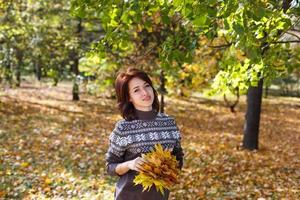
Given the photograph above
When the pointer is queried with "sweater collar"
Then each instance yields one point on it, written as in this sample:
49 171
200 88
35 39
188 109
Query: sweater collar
145 115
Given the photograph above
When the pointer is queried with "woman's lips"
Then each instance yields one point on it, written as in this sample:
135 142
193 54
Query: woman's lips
147 98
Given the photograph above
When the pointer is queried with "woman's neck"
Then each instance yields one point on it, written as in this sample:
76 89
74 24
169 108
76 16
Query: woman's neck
145 115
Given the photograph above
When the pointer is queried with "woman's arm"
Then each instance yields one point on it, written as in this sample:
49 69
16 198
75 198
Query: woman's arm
116 151
123 168
115 164
178 153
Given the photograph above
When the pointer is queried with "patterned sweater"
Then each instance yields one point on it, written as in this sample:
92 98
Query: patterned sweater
130 139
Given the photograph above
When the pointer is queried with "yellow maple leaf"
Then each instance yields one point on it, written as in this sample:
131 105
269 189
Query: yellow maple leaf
160 170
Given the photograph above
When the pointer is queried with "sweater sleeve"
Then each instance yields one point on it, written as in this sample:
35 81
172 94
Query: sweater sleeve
115 152
178 153
177 150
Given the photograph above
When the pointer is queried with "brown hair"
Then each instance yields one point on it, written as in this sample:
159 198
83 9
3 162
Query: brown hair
122 91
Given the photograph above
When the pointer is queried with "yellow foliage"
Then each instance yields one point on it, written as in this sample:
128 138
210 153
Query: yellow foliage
160 170
24 164
215 164
48 181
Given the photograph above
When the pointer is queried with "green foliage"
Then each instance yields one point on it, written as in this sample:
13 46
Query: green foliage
43 36
92 65
14 37
249 27
152 35
148 35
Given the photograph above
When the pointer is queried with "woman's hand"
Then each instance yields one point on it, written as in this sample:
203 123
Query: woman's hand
135 164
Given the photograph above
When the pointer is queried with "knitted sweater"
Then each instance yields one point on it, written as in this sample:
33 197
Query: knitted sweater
130 139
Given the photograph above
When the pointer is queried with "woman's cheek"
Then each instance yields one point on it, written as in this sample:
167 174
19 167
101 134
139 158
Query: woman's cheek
151 91
137 97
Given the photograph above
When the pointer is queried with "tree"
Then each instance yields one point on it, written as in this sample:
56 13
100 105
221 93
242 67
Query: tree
42 37
14 39
250 28
138 38
254 99
246 26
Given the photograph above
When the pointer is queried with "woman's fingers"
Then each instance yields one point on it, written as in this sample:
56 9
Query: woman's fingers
138 163
139 160
138 168
143 160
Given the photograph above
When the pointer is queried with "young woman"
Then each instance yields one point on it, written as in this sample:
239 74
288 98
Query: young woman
143 126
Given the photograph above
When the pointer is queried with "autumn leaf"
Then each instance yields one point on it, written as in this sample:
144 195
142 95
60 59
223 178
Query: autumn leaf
55 136
160 170
24 164
48 181
2 193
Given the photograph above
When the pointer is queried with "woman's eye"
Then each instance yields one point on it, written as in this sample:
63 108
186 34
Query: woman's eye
147 85
135 90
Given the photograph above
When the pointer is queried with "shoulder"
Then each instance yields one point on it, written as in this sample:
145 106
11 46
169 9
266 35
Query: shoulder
116 134
123 127
119 126
165 116
120 122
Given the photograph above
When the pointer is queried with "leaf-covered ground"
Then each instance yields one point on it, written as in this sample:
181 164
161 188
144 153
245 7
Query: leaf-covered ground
53 148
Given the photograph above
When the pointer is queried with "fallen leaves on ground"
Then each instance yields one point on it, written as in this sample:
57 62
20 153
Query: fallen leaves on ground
52 147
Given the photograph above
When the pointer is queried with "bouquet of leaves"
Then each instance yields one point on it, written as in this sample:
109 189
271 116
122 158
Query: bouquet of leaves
159 169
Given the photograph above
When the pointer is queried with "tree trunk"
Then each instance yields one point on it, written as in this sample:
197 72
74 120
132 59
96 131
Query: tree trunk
38 69
298 88
19 56
251 129
8 76
162 91
75 68
75 90
162 104
18 76
254 99
266 91
286 4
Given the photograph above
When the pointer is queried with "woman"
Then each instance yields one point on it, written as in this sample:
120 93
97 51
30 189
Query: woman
142 127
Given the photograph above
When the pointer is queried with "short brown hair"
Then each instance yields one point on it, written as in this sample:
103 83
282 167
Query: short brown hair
122 91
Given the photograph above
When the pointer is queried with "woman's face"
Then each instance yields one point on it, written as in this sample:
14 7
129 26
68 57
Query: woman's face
141 94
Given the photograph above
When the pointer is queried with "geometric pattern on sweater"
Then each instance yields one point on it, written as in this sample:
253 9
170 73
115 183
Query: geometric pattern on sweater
140 136
143 148
131 138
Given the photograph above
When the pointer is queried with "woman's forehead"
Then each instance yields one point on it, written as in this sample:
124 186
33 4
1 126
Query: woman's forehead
135 82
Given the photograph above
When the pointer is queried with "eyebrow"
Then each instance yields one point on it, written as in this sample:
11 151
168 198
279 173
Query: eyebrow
138 85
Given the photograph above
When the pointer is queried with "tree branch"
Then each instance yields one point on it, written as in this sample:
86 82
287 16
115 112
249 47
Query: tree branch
293 34
220 46
295 30
290 41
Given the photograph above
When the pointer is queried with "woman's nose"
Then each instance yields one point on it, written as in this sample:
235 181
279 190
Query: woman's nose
144 92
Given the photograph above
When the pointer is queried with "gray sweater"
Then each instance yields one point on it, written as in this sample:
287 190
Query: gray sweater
130 139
